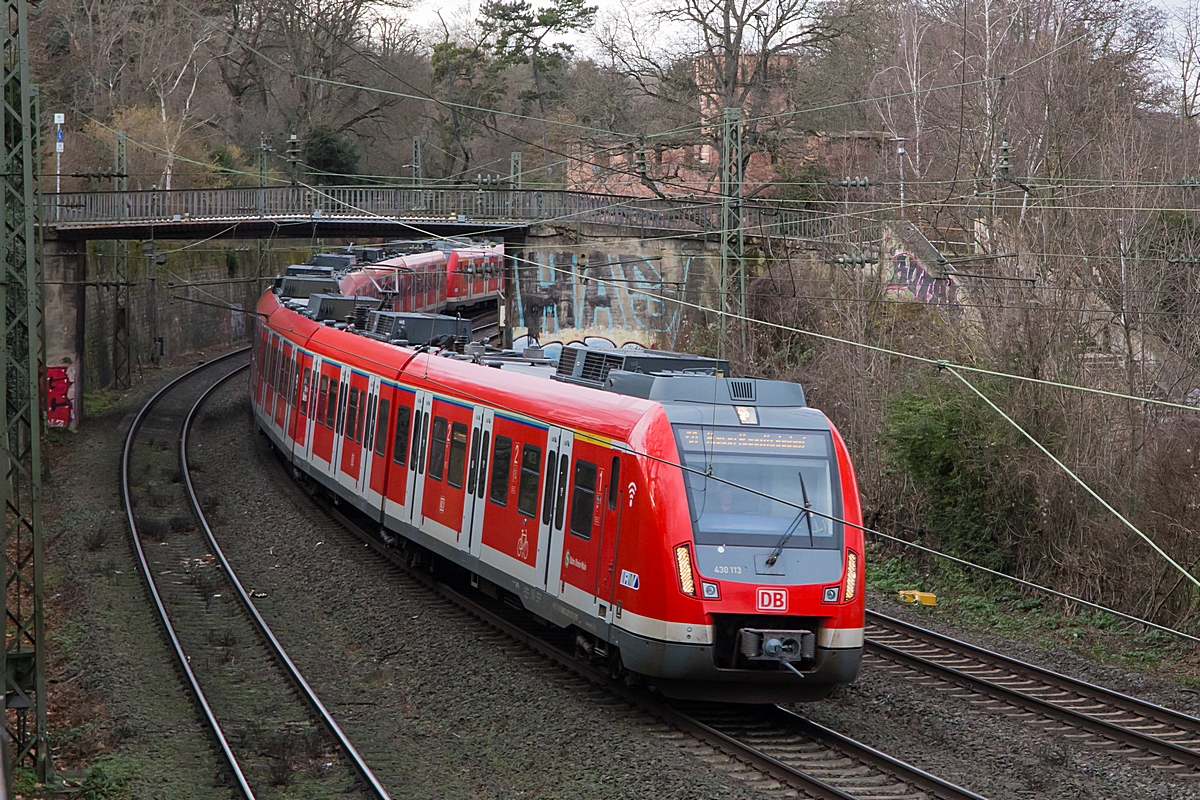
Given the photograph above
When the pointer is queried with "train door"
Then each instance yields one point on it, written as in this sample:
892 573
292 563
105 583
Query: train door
417 457
266 407
549 485
357 401
610 533
362 486
279 413
379 448
339 397
552 574
311 408
398 471
327 395
298 427
260 361
446 470
583 534
481 442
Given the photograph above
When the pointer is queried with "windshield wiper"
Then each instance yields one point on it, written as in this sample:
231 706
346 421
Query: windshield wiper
805 514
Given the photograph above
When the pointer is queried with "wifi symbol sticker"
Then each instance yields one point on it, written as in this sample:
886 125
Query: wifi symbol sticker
632 492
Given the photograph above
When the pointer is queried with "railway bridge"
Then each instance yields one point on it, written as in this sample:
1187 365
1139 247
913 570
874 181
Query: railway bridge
126 304
388 211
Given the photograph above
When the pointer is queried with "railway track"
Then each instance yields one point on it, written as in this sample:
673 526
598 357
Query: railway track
1091 715
805 756
270 729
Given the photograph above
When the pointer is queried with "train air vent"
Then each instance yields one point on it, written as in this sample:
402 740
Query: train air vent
596 366
590 366
566 361
741 390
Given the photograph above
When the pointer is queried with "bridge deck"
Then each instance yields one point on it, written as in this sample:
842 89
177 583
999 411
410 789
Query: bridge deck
391 211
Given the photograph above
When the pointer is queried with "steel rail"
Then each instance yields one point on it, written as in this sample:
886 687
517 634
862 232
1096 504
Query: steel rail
756 757
910 774
1096 725
126 495
293 673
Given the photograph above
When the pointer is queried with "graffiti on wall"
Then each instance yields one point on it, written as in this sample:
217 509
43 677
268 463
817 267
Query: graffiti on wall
60 402
908 275
597 289
236 321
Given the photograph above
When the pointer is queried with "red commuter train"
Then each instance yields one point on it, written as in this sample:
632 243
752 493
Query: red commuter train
455 276
627 495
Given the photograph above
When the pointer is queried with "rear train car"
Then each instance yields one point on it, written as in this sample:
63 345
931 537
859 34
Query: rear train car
473 276
636 498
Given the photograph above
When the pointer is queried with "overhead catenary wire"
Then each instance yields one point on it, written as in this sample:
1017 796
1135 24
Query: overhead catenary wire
1071 473
829 337
775 325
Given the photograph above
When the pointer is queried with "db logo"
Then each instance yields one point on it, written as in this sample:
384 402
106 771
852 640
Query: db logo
772 599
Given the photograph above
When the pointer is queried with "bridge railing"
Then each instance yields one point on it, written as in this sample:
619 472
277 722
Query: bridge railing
415 203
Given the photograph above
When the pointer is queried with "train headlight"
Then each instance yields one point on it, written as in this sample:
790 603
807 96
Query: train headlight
851 575
683 560
710 590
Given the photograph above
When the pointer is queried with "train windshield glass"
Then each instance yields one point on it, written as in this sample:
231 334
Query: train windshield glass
752 471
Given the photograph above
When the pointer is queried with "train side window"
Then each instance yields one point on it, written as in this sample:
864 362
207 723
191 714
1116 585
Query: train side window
365 420
424 440
548 489
368 428
352 413
416 439
341 408
304 393
473 468
483 462
614 483
583 498
437 449
501 466
560 496
400 445
322 399
381 423
531 473
458 455
331 403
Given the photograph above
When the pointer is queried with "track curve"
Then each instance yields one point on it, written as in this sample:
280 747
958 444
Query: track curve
254 707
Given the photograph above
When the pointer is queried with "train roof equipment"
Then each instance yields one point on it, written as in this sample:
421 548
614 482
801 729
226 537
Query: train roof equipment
339 261
589 366
295 287
414 329
668 377
337 307
308 271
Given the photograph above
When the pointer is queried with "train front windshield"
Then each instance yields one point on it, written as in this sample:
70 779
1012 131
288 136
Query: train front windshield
752 470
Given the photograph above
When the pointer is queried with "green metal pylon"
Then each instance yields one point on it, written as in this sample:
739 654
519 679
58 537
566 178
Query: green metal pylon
732 297
20 381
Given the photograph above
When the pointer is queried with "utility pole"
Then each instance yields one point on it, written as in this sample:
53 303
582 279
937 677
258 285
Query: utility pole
154 257
23 669
418 172
121 347
733 262
59 120
515 174
293 159
264 147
